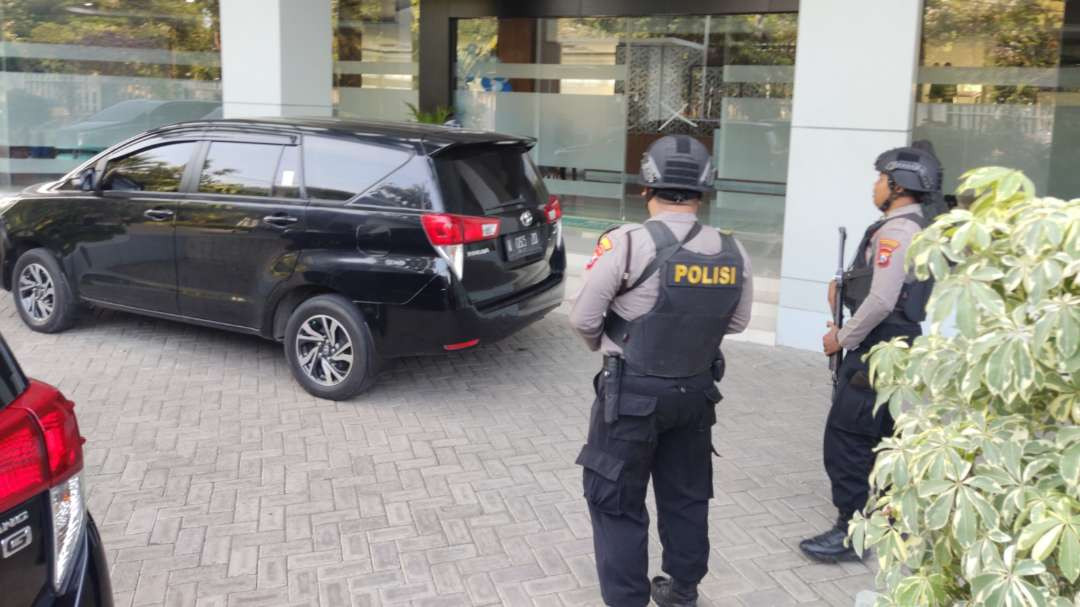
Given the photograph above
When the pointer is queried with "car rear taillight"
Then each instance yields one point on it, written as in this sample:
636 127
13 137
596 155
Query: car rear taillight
68 516
444 229
553 214
41 449
450 233
553 209
22 470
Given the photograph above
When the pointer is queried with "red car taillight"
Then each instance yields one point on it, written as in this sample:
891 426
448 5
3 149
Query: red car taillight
553 209
553 215
450 233
62 440
41 450
22 460
40 444
444 229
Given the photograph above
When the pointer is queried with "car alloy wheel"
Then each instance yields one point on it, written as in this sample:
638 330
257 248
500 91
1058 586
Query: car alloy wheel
37 294
324 350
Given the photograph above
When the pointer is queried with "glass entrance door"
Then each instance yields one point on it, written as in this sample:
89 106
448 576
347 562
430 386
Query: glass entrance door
595 92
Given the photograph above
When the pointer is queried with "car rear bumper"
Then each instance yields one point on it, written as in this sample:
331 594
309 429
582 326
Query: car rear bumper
431 321
89 585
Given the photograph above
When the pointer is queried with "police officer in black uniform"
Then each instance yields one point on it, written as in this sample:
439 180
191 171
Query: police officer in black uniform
885 302
657 301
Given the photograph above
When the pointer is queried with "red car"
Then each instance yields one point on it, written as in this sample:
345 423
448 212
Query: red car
50 549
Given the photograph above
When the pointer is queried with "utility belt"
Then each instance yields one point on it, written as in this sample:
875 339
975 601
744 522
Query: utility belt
616 376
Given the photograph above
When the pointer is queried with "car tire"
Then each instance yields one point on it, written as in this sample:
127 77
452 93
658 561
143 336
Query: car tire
320 358
43 296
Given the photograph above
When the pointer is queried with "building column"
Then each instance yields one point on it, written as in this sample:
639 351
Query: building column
855 71
276 58
437 54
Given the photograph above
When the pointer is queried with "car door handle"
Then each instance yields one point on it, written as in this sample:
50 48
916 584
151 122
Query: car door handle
159 214
280 220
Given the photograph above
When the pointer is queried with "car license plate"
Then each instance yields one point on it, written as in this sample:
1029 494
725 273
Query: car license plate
523 244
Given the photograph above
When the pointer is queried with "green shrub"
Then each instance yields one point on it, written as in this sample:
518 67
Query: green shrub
977 491
438 116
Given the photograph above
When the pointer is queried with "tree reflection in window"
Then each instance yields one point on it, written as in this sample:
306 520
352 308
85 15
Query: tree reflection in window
242 169
963 34
158 169
407 187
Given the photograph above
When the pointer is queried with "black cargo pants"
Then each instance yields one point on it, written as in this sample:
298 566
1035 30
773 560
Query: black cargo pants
663 429
852 431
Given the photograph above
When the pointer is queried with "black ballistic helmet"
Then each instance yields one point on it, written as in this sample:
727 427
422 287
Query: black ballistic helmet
913 168
677 162
934 203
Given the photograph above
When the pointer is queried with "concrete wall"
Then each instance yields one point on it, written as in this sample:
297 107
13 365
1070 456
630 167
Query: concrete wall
854 98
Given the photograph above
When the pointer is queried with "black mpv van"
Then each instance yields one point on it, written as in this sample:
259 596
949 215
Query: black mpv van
347 241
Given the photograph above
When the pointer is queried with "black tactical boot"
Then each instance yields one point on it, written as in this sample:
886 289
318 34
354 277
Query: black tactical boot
829 546
669 592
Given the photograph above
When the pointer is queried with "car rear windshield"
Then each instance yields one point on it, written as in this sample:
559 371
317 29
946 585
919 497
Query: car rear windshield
12 380
478 181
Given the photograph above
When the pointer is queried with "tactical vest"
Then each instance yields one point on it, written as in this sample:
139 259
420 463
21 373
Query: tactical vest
911 305
681 335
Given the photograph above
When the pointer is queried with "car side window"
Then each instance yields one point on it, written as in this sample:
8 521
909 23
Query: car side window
407 187
158 169
337 169
242 169
287 180
12 380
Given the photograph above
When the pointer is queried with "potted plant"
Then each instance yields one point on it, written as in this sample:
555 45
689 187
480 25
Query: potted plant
437 116
977 491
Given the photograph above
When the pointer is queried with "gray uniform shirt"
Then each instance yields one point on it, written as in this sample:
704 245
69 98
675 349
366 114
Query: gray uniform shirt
605 276
886 254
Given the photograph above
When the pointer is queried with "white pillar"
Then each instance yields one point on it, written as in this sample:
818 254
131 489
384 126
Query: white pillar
854 98
276 58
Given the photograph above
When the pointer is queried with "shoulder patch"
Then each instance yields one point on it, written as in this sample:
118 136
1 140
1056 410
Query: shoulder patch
604 245
886 246
607 239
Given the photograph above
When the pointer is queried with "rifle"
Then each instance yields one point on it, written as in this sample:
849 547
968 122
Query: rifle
838 311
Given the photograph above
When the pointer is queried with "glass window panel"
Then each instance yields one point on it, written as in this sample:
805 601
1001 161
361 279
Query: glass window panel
242 169
336 169
996 87
12 381
376 50
596 92
408 187
480 182
555 80
158 169
79 77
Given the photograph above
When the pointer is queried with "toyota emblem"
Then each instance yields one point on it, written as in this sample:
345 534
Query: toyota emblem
526 218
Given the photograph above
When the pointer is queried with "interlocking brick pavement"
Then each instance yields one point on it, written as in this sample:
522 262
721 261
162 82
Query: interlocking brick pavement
216 481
